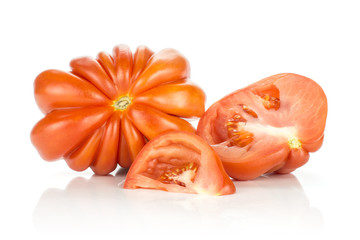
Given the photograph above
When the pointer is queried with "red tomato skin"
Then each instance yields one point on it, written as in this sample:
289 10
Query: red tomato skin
55 89
132 136
92 113
81 158
49 137
211 177
307 116
106 159
175 99
151 122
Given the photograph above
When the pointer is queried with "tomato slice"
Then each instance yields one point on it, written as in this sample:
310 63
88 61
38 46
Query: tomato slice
179 161
269 126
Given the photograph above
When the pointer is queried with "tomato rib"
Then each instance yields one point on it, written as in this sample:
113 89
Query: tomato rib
164 67
91 70
124 158
313 146
56 89
133 137
83 156
141 58
175 99
107 63
152 122
296 158
123 68
106 158
62 130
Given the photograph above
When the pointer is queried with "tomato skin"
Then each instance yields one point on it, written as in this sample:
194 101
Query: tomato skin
106 159
285 122
102 112
141 56
81 158
132 136
179 147
151 122
56 89
123 68
175 99
91 70
48 134
166 66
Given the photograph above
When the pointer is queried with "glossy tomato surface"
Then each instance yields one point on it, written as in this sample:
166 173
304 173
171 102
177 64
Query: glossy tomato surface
179 161
102 112
269 126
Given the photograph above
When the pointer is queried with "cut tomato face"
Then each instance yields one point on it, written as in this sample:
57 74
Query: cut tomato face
269 126
102 113
179 161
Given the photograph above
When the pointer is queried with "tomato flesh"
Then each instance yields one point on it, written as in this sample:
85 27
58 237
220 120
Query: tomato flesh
179 161
269 126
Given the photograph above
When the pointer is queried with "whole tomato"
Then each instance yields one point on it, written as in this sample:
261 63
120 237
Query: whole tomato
104 111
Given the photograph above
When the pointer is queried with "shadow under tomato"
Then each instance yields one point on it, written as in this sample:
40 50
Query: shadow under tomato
275 204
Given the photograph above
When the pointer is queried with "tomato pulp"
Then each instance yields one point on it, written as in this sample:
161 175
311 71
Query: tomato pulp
179 161
269 126
102 112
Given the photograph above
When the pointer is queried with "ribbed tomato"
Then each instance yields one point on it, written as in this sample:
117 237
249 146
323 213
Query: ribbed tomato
269 126
179 161
104 110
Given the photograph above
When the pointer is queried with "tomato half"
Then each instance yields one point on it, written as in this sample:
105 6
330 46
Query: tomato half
269 126
179 162
102 112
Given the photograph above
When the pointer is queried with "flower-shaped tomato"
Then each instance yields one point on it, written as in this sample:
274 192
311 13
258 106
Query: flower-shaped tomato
269 126
102 112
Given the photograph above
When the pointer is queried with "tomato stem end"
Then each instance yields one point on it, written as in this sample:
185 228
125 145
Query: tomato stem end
294 142
122 103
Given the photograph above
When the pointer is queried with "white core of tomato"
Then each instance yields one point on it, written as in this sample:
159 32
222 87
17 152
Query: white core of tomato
289 134
185 177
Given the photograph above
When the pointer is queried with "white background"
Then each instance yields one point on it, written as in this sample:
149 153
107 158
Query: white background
229 44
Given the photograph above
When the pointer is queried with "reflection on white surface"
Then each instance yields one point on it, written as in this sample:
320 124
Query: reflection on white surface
99 205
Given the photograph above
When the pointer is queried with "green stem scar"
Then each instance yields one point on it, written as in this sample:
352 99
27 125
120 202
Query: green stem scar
294 142
122 103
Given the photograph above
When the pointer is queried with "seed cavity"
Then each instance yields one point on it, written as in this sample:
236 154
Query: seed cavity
269 95
182 176
236 132
249 111
270 102
122 103
235 119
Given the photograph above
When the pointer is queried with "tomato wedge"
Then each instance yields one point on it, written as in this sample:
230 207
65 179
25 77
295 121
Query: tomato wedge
102 113
179 161
269 126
